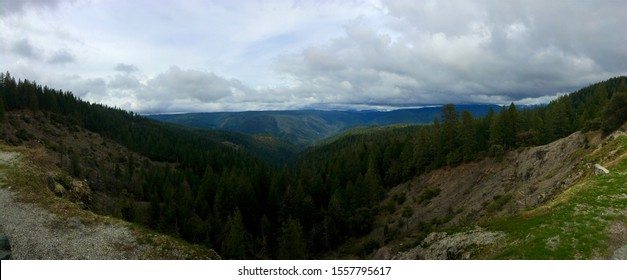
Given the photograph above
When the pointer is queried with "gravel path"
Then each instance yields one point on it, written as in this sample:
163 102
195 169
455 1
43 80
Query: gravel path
35 233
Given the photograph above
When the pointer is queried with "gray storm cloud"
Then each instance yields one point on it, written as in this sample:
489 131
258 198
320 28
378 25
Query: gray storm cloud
24 48
278 55
18 6
461 51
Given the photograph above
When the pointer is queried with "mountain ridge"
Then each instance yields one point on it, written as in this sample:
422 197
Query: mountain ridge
304 127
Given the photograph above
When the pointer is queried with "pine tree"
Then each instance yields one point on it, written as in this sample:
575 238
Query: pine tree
511 124
292 244
615 114
497 130
450 134
468 136
372 184
235 241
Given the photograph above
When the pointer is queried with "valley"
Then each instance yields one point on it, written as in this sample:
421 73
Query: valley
305 127
512 183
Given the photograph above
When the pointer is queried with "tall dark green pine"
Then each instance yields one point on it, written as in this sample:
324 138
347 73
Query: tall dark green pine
483 130
510 126
497 130
372 187
615 114
292 244
450 134
436 145
468 136
235 241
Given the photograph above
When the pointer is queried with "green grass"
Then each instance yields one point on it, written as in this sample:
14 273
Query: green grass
576 224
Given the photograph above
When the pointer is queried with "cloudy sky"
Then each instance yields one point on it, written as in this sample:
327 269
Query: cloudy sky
161 56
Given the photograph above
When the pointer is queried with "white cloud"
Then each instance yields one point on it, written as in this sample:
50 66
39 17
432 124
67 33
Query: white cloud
252 55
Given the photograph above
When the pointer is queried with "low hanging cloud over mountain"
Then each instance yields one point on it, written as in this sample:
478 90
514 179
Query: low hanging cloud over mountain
212 56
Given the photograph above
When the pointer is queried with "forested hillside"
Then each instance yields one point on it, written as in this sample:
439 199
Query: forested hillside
304 127
224 194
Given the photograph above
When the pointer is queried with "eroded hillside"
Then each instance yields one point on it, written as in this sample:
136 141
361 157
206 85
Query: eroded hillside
434 215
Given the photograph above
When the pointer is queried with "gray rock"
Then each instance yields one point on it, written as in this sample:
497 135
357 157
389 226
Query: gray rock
440 246
600 170
620 253
432 237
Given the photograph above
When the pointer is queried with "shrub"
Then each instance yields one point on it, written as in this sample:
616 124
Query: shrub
23 135
429 194
498 203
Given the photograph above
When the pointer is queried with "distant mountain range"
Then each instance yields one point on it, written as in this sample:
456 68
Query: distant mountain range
303 127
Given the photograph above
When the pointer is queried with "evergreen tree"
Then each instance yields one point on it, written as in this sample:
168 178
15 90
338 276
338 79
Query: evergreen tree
235 241
498 130
615 114
468 136
450 134
292 244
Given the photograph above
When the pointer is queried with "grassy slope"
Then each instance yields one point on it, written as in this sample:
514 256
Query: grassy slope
587 221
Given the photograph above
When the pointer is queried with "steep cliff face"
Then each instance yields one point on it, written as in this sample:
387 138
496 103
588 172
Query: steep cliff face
481 192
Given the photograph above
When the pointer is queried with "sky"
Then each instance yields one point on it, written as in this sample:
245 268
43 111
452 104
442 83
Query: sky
162 56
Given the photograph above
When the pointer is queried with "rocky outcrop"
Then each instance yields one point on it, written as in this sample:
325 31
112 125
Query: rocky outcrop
458 246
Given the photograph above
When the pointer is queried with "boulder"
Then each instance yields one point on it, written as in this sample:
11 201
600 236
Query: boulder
600 170
384 253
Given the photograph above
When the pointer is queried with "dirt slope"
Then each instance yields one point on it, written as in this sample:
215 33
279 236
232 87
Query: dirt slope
40 225
468 192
